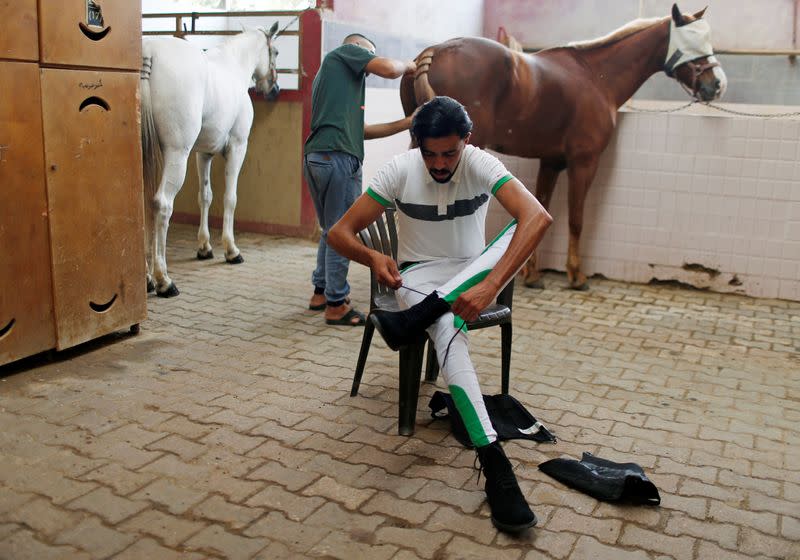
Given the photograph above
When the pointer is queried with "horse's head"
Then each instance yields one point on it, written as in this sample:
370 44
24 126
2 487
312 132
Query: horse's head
266 72
690 57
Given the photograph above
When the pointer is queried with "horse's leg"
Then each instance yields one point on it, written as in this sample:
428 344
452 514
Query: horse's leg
204 197
171 183
581 173
148 247
234 157
545 184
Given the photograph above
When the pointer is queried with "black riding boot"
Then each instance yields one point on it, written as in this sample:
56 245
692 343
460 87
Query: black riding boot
510 511
401 328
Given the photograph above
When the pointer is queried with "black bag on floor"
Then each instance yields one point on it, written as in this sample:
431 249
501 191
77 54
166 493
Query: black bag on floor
604 479
509 418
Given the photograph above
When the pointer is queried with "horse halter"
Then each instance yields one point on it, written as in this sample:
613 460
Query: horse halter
272 74
687 44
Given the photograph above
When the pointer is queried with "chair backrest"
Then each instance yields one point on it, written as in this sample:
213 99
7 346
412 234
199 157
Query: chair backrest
506 295
381 236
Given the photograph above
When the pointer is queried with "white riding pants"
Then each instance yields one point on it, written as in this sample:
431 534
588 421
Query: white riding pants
450 278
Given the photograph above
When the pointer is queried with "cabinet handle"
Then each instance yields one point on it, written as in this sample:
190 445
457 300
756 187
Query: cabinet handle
7 329
93 35
94 100
102 307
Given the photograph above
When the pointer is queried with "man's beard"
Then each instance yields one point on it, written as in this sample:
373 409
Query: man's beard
445 179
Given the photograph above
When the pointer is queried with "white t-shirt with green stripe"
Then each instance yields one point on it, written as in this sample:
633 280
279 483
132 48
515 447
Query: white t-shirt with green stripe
439 220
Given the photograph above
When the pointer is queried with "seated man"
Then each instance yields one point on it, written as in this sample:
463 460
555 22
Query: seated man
447 275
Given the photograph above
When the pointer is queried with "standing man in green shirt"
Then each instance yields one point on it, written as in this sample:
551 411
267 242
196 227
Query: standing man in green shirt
332 158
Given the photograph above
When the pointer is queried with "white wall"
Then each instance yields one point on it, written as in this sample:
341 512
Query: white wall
382 105
735 24
421 19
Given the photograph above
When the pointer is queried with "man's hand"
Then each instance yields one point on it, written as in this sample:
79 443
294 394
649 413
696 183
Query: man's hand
411 67
385 269
470 304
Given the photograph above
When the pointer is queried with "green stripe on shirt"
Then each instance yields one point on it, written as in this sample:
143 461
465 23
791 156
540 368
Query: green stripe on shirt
500 183
378 198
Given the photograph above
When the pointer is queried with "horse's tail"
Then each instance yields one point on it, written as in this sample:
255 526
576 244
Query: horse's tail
416 90
152 157
422 87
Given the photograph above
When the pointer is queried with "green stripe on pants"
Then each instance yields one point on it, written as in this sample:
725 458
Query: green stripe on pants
469 416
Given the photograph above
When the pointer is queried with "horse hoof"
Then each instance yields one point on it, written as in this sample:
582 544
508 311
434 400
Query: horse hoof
201 256
580 287
537 284
151 286
238 259
171 291
135 329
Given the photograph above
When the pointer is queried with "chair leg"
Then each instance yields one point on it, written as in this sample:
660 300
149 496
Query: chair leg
366 340
505 340
431 364
410 370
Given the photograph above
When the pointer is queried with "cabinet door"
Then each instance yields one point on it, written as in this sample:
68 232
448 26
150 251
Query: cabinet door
26 301
19 39
95 33
93 163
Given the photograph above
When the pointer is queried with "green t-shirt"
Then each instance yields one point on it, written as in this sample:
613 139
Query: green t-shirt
337 101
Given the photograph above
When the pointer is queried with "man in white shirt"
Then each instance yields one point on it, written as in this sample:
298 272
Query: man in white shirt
447 275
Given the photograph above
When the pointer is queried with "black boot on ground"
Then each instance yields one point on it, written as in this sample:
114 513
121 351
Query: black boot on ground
401 328
510 511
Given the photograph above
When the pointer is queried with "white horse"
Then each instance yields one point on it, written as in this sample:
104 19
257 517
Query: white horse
197 99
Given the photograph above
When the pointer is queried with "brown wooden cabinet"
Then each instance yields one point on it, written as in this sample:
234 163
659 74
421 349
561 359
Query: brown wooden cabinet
26 301
71 215
19 38
98 34
93 163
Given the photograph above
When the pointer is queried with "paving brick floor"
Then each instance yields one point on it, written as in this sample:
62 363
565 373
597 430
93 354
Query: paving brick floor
225 429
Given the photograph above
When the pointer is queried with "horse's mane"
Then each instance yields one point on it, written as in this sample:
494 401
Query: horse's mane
628 29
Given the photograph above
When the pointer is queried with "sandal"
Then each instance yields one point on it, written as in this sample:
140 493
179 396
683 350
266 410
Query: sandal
347 319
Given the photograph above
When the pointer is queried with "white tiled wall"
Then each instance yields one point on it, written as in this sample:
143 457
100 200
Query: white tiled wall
675 191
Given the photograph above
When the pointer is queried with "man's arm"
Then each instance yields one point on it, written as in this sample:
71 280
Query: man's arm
373 131
343 238
389 67
532 223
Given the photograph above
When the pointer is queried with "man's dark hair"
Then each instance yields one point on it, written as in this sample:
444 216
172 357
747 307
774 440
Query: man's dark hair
354 35
439 117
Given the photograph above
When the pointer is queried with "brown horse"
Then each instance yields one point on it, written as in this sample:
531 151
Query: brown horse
560 105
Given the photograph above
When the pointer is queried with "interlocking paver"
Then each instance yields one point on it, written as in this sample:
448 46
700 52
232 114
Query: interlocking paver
604 530
754 543
341 545
460 547
95 538
411 513
148 548
217 540
330 489
44 518
294 507
174 497
291 479
228 421
588 548
726 535
109 507
22 545
332 515
425 544
234 516
167 528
